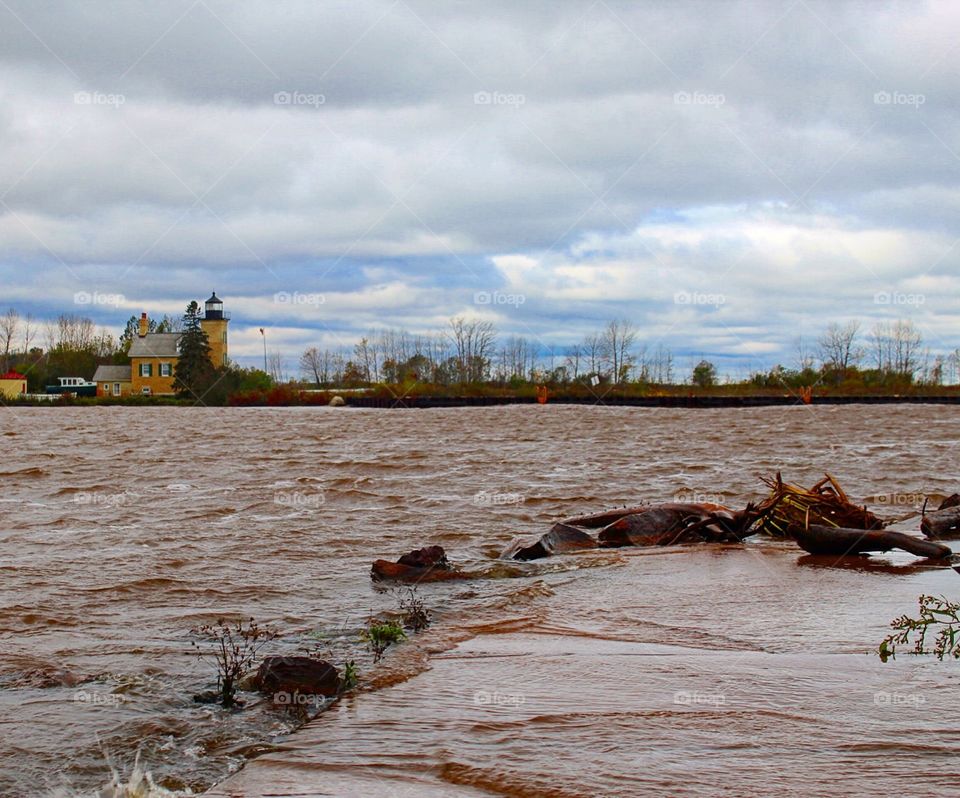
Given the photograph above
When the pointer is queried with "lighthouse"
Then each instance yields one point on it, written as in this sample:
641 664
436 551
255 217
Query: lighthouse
214 324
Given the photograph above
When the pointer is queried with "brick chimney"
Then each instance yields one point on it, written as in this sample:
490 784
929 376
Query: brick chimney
143 325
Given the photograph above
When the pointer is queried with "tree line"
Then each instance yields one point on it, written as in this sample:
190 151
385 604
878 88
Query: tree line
469 351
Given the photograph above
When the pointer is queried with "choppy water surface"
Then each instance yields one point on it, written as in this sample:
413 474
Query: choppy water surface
686 671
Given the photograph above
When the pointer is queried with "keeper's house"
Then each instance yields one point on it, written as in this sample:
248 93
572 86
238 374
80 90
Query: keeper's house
153 357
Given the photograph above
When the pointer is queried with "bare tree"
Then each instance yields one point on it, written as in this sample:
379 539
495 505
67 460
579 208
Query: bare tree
616 341
311 365
275 366
896 347
593 349
574 355
473 342
29 332
804 357
837 347
9 323
661 366
365 354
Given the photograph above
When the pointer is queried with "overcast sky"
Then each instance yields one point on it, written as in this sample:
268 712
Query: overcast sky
728 176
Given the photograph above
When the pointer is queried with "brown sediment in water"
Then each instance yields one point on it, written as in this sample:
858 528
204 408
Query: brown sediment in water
110 558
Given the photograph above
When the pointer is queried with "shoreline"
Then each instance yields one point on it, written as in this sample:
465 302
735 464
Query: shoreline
403 402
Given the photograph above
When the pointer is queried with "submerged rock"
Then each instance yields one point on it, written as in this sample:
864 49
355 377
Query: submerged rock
297 675
942 522
656 526
951 501
428 564
427 557
561 539
679 522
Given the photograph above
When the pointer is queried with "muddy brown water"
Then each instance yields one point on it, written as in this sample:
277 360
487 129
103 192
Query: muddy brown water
691 671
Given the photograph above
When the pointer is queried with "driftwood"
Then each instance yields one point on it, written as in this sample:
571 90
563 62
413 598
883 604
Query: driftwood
825 503
820 539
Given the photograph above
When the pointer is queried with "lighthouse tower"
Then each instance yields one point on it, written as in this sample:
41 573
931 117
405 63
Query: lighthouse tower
214 324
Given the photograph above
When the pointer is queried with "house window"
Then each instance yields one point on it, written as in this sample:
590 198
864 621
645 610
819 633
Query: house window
116 389
146 369
145 391
164 369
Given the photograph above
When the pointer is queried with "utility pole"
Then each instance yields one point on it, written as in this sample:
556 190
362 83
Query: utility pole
264 334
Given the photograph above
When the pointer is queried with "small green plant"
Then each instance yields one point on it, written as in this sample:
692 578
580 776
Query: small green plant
233 649
349 678
416 616
936 614
380 635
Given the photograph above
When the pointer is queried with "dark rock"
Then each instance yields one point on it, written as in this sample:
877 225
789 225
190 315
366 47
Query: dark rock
384 569
597 520
297 675
944 522
950 501
427 557
662 525
561 539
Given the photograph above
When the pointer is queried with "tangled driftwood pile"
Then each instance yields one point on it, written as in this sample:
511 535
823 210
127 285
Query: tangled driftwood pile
821 519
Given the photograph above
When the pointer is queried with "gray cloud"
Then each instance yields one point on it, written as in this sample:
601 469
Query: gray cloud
797 158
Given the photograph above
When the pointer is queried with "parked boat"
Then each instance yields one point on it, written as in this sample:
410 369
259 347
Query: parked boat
77 386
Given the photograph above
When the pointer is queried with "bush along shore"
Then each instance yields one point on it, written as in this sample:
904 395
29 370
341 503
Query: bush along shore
425 396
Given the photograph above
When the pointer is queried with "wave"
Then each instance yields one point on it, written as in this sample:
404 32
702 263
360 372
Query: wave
34 471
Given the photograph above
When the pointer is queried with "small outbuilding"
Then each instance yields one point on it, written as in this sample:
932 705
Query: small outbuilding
12 385
113 381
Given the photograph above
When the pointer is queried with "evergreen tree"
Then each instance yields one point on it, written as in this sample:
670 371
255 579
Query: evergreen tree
704 374
194 373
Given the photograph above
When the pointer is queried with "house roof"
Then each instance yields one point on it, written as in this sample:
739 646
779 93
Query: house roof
112 374
155 345
12 375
